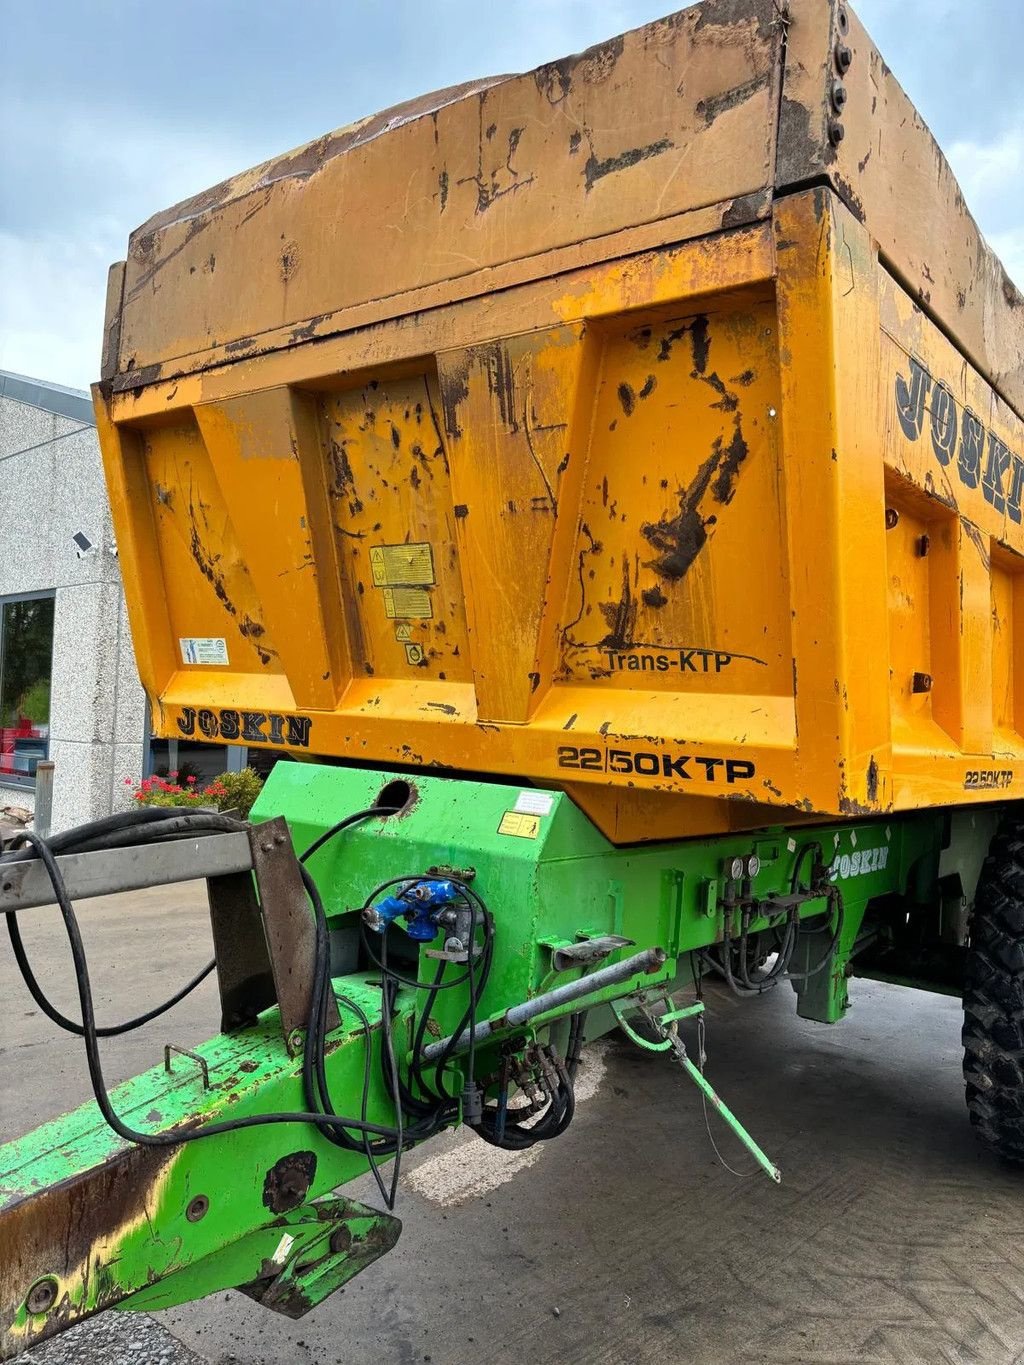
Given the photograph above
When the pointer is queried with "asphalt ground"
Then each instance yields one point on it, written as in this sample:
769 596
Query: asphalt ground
893 1238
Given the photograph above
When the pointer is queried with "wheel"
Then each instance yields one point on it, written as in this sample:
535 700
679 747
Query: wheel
993 1033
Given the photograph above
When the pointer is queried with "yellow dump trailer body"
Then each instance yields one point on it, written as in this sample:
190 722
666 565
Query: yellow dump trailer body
648 425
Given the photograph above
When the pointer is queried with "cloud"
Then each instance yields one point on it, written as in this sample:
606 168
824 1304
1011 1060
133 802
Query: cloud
990 172
51 306
1009 247
85 162
80 192
991 175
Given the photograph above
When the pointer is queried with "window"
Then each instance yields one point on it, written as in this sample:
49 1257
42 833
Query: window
26 660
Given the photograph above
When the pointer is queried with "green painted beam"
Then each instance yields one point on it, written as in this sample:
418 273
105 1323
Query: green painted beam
110 1223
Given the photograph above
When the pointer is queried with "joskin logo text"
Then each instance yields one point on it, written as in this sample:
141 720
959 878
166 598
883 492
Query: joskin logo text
960 441
251 727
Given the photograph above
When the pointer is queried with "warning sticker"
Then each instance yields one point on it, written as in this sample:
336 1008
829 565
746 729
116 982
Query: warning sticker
203 649
522 826
534 803
402 565
411 602
403 634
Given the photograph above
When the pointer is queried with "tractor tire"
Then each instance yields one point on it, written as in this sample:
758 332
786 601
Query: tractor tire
993 1031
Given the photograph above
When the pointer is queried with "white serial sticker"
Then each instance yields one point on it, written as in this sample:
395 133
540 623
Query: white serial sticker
203 649
534 803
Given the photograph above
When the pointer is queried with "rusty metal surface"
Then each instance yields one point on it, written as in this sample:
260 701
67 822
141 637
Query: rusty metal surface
461 183
289 927
892 174
717 105
57 1231
605 513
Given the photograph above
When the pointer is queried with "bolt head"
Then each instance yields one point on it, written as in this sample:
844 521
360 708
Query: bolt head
838 96
198 1208
836 132
843 57
42 1296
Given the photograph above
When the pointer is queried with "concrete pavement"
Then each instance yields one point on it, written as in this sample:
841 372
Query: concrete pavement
893 1237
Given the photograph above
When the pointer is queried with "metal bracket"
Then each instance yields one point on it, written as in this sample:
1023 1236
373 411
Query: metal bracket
587 952
184 1052
289 927
265 938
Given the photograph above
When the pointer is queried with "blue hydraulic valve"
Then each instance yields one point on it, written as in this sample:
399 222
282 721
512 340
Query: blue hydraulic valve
419 903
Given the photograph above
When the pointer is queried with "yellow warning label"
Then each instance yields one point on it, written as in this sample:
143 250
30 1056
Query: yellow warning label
403 634
523 826
414 654
402 565
411 602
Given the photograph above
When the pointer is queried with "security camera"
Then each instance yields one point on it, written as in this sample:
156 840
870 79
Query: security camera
83 545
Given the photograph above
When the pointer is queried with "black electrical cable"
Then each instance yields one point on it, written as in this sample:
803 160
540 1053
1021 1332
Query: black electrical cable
426 1120
437 1108
748 984
809 847
314 1068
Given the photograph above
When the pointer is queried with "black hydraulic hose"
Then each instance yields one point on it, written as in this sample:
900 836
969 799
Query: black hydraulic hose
171 1138
342 825
144 825
835 897
69 1025
152 824
141 826
178 827
109 824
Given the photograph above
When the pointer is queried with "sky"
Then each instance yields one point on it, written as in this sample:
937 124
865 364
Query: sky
111 110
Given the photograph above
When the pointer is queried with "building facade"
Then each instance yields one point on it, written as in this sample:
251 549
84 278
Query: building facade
69 688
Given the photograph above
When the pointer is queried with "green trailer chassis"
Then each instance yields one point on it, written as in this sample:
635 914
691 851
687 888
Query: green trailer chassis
89 1221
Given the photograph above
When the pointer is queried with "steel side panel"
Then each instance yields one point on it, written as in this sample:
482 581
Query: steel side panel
623 531
456 184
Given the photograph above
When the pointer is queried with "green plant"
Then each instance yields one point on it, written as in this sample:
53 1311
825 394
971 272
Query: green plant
229 791
240 790
34 702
